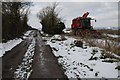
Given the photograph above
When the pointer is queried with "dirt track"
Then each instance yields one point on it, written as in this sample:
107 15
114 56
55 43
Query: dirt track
44 64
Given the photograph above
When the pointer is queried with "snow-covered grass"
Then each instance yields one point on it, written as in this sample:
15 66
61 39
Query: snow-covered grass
76 60
9 45
25 68
102 42
109 45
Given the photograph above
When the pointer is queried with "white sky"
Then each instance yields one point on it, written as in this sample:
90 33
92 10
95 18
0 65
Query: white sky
106 13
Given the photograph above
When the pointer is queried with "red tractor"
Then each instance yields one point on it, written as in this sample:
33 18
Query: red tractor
82 26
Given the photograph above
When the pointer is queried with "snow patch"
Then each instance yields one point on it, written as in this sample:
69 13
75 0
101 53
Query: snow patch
67 31
114 36
27 33
4 47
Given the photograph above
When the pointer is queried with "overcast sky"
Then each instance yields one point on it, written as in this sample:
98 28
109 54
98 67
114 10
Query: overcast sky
106 13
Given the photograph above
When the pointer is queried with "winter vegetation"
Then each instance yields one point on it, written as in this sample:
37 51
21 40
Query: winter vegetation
14 19
50 20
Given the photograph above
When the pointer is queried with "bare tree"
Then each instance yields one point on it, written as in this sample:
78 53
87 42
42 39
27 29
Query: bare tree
49 17
14 19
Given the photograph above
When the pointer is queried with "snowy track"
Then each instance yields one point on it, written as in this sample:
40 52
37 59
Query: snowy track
14 57
25 68
32 58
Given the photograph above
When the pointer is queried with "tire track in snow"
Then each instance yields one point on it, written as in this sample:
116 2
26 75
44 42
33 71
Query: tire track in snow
25 68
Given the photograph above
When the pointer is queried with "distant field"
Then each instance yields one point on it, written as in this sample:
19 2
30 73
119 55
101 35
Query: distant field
115 32
108 40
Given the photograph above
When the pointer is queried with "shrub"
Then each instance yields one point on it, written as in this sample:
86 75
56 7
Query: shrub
50 20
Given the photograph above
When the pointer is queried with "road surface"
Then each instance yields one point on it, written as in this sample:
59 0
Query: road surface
31 59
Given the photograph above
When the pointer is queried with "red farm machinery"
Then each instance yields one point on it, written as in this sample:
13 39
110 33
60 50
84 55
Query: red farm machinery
82 26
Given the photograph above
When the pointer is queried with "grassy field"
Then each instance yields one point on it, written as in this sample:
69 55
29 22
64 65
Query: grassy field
109 44
115 32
